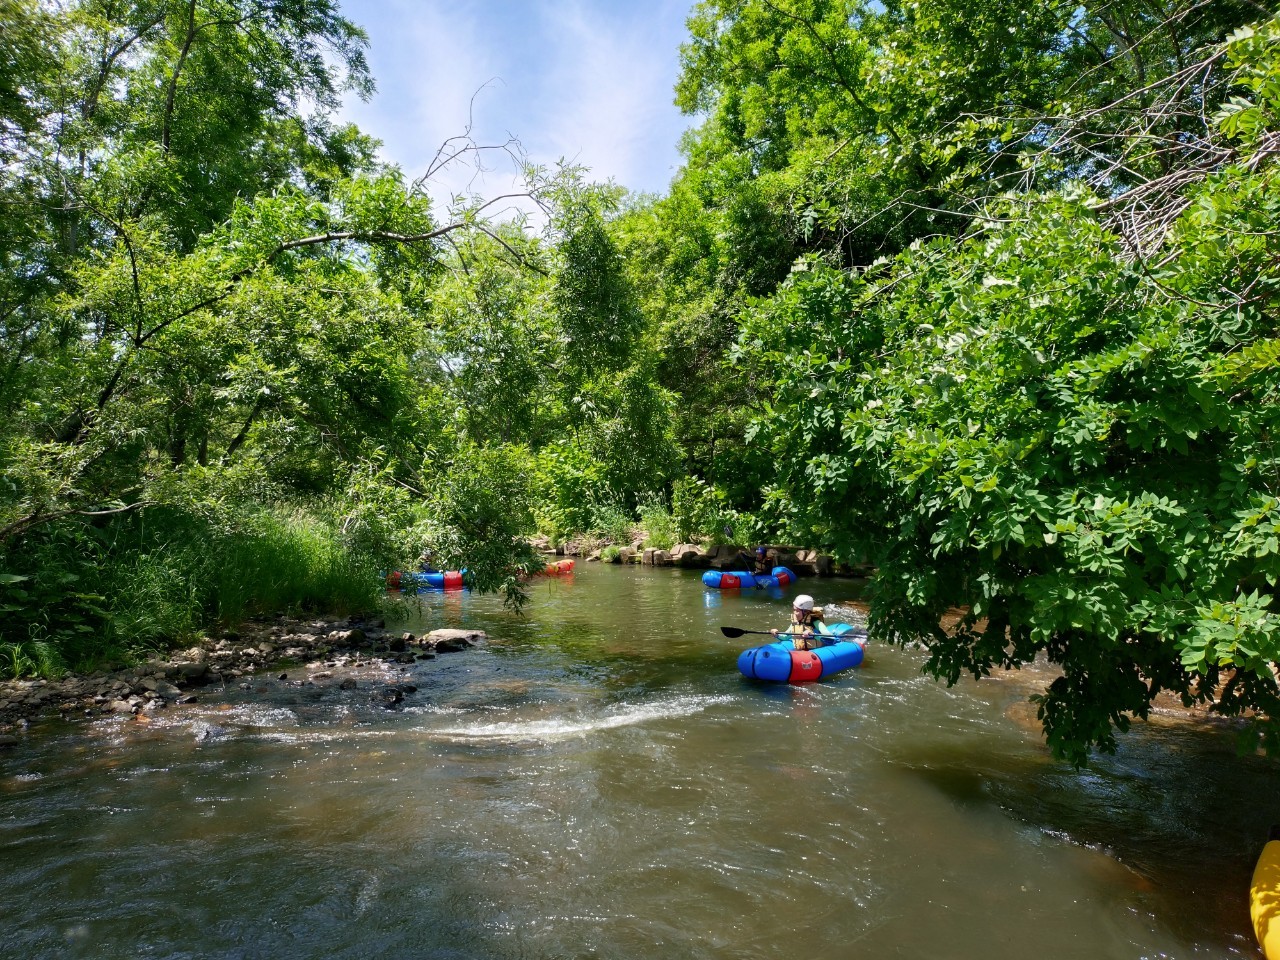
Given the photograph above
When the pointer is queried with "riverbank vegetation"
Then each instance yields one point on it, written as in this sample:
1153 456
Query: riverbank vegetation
985 296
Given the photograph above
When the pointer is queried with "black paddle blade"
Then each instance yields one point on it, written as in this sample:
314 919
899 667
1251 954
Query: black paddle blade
738 632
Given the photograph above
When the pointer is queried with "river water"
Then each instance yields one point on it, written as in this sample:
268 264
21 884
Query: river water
598 781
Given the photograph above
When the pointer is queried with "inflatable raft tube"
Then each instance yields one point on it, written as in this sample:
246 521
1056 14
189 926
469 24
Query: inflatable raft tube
436 579
781 662
735 579
1264 897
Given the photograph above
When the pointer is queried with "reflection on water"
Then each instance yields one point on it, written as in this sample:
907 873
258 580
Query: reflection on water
599 780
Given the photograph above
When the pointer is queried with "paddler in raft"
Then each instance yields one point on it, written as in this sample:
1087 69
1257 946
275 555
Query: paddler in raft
806 628
757 563
760 565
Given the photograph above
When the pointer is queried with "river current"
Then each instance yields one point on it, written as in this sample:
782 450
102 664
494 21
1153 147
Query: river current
597 780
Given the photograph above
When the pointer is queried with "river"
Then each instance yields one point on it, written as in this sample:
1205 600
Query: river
598 781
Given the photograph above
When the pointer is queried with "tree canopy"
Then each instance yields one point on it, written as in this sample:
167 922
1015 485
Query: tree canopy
1022 361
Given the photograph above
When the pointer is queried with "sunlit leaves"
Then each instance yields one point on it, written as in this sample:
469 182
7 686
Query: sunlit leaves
1032 428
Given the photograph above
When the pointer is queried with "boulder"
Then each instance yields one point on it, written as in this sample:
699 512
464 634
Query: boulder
726 556
453 641
205 732
195 674
796 563
689 555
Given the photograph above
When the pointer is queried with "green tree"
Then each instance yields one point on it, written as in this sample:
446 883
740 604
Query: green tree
1067 442
223 322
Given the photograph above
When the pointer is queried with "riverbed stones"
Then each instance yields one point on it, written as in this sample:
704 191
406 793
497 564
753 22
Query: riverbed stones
157 684
725 556
236 658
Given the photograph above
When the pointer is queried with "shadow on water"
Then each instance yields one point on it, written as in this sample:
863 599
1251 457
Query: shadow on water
1177 807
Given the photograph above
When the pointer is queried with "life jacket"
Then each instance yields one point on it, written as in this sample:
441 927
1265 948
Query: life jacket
814 625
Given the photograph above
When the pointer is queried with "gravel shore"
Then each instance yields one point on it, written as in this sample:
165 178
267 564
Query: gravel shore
235 658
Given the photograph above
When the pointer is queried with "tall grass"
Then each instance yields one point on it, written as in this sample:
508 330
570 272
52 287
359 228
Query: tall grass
89 596
291 563
37 658
277 562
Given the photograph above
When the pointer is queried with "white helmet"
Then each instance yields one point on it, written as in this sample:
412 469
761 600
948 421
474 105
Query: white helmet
803 602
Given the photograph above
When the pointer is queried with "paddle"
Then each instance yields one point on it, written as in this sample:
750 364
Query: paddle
735 632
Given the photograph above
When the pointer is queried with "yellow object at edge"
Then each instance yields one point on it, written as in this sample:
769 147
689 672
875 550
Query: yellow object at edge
1264 900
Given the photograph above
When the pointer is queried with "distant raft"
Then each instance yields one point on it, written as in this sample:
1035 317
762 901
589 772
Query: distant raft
434 579
781 662
735 579
1264 898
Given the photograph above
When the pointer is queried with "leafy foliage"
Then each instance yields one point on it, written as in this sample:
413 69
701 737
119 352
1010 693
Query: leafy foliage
224 323
480 516
1026 426
659 526
1024 358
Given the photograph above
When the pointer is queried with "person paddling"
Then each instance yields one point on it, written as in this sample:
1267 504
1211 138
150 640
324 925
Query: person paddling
806 628
760 566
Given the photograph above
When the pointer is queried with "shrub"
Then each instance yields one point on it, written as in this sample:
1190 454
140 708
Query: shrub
612 521
657 521
697 510
565 479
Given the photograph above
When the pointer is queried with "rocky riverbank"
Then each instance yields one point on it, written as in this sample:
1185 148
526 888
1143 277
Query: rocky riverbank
723 556
301 651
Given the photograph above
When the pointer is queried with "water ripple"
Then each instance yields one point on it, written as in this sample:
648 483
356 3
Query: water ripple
567 727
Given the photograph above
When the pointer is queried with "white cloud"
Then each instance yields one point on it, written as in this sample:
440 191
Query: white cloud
588 81
611 87
430 60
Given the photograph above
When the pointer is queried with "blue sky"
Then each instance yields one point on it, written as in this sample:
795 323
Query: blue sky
584 80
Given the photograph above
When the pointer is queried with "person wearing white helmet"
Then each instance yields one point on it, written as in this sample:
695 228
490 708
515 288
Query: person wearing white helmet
806 628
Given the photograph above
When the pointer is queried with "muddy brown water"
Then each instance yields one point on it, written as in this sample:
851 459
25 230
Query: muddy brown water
598 780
